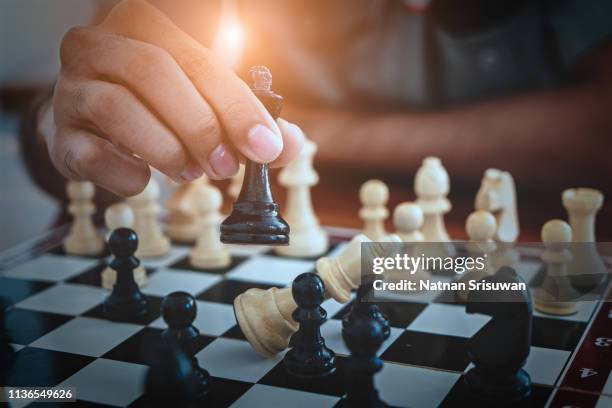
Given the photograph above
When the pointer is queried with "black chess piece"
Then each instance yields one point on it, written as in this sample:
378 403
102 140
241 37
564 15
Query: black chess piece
363 338
499 349
171 381
309 356
179 310
255 218
126 302
363 309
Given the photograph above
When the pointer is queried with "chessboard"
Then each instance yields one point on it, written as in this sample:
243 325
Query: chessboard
63 339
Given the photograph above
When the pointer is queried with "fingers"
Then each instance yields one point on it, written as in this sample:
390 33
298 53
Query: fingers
242 116
293 141
118 116
80 155
152 74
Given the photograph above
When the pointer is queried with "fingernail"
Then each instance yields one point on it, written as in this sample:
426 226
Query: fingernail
223 162
264 143
192 172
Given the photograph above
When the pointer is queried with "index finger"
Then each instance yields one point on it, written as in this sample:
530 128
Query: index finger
244 118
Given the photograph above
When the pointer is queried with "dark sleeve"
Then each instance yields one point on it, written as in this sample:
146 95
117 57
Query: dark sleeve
580 26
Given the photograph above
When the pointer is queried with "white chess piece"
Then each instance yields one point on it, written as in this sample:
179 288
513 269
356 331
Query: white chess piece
582 204
233 190
209 252
480 228
265 316
83 238
374 195
408 221
497 195
307 238
556 295
120 215
432 185
151 240
183 214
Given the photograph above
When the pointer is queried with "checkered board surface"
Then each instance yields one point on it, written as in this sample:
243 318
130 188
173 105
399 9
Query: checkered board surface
62 338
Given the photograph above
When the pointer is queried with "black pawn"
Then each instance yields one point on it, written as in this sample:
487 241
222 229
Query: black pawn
126 302
363 309
255 218
500 348
363 338
309 356
171 381
179 310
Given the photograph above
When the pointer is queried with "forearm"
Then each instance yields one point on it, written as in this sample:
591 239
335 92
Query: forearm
539 137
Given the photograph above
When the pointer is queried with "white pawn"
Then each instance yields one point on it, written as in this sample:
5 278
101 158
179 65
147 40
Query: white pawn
480 228
151 240
374 195
83 238
182 211
307 238
120 215
408 221
432 185
209 252
556 295
233 190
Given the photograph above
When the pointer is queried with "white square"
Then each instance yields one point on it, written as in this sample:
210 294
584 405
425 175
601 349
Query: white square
17 347
545 365
166 281
50 268
450 320
236 360
604 401
408 386
265 396
175 253
332 306
65 298
271 270
108 382
212 319
87 336
332 333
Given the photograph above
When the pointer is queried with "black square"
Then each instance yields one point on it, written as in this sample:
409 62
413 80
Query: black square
428 350
153 313
35 367
460 397
16 290
78 403
273 253
223 393
556 333
226 290
399 314
25 326
332 384
235 333
185 264
93 276
142 346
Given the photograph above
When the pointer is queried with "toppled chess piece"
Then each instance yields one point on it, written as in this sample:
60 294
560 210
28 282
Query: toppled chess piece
126 302
309 356
179 310
363 338
500 348
255 218
83 238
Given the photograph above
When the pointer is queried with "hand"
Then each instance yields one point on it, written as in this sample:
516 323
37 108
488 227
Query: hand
136 91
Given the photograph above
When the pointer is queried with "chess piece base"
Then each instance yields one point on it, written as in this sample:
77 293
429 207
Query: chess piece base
121 308
253 222
495 389
319 365
109 277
